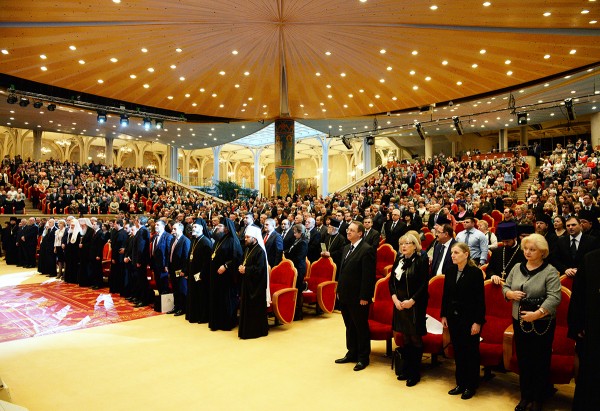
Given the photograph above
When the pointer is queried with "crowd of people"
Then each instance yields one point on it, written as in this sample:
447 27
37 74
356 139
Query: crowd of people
215 258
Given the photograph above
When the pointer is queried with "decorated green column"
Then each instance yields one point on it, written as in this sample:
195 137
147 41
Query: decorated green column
285 151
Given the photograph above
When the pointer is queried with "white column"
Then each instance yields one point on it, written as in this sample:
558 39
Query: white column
325 164
428 148
216 151
256 156
502 140
173 162
108 152
595 129
37 145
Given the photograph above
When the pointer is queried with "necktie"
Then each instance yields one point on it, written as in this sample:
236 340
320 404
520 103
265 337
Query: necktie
573 248
173 249
435 217
393 225
266 238
154 245
349 251
467 237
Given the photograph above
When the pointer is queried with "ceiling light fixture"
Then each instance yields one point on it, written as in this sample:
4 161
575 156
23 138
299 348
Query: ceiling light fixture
346 143
24 102
158 124
51 107
38 104
124 120
458 125
147 123
522 119
101 118
420 130
12 98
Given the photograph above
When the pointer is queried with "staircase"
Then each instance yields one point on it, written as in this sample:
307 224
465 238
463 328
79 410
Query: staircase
522 189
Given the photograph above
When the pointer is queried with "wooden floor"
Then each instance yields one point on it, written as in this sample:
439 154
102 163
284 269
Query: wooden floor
165 363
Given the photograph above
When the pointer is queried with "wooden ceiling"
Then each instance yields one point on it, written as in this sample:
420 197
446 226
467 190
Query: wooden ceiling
341 58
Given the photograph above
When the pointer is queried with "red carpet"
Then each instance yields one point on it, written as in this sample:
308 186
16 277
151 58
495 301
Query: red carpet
34 310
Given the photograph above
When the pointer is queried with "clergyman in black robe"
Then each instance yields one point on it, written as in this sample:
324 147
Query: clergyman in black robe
225 260
254 281
47 257
198 274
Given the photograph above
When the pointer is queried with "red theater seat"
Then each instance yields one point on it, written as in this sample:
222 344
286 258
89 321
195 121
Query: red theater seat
321 285
381 312
282 283
386 255
498 316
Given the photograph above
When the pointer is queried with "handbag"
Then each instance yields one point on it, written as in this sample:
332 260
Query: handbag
531 304
397 361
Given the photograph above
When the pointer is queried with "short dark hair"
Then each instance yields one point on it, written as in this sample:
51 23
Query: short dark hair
360 227
447 228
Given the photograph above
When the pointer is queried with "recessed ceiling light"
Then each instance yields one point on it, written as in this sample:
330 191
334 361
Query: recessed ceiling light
317 74
412 72
434 7
377 96
546 85
382 51
593 21
370 104
415 87
350 95
361 90
585 11
144 50
221 105
394 98
482 51
246 73
343 74
237 86
427 78
187 94
132 76
474 65
116 1
509 73
201 90
328 53
547 56
81 61
547 14
173 66
114 60
487 4
382 80
181 78
194 104
389 68
249 98
4 51
214 94
234 52
43 56
170 97
459 83
73 48
44 68
146 85
573 51
328 86
507 62
151 69
414 52
445 63
222 72
178 50
100 81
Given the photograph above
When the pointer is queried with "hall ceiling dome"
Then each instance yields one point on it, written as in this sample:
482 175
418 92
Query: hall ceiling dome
263 59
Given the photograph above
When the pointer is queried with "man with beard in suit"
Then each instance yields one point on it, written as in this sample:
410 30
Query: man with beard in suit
371 236
355 290
320 223
179 252
334 243
159 256
287 234
273 243
314 240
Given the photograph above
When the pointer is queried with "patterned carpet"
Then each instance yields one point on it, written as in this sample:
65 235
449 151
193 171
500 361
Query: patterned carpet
35 310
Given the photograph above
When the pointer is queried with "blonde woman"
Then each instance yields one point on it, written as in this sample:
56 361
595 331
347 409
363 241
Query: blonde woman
59 252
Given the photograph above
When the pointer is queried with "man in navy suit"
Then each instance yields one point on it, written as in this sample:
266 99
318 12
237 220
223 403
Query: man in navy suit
178 259
354 292
159 256
314 240
394 229
442 257
273 243
372 236
287 234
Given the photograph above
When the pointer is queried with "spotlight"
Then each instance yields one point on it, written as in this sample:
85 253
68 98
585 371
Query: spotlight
124 120
51 107
12 99
370 140
158 124
101 116
346 143
457 125
24 102
521 119
147 123
570 111
38 104
419 130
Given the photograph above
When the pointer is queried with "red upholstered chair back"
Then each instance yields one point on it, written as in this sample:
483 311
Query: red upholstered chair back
459 227
282 276
320 271
498 313
561 344
382 308
497 216
106 251
429 238
386 255
436 290
566 281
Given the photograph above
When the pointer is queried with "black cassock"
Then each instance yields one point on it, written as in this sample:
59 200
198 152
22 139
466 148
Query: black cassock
198 291
47 257
253 300
223 287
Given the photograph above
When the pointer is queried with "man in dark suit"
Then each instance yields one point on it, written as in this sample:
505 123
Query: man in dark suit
287 234
178 259
334 244
378 219
140 258
394 229
118 238
314 240
436 212
159 256
273 243
320 221
442 257
372 236
355 290
571 249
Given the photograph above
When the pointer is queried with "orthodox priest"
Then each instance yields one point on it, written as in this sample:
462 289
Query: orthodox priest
254 286
225 260
198 274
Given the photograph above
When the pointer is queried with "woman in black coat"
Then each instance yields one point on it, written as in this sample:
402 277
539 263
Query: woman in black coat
408 288
297 253
463 313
